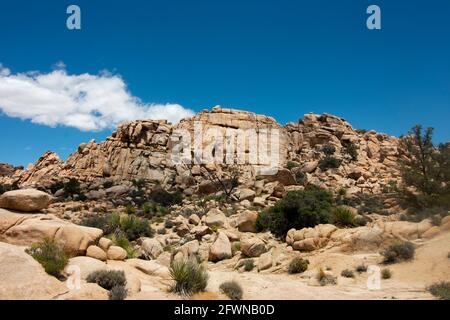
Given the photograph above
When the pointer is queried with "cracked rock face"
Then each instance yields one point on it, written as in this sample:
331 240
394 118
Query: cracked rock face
143 150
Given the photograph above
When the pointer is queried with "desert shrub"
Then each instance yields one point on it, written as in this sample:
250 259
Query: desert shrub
386 273
298 265
399 252
291 165
138 183
130 209
190 277
440 290
56 186
361 268
107 279
119 239
235 247
448 256
324 278
249 265
72 187
99 222
118 293
133 227
152 210
352 150
343 217
298 209
108 184
328 149
300 177
50 255
232 289
367 203
347 273
166 198
329 162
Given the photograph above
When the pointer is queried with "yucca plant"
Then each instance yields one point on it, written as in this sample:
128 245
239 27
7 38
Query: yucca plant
190 277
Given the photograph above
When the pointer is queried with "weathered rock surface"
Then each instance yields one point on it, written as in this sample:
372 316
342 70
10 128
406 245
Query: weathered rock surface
152 248
27 229
253 247
247 221
26 200
116 253
143 150
22 277
221 248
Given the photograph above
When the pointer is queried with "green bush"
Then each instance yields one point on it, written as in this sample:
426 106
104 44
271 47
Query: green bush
119 239
108 184
56 186
298 265
328 149
352 151
232 289
190 277
151 210
347 273
343 217
298 209
130 209
425 169
50 255
72 187
300 177
107 279
386 274
235 247
361 268
118 293
166 198
291 165
399 252
440 290
329 162
99 222
249 265
133 227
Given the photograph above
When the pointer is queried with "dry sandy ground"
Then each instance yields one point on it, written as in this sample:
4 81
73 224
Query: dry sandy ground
409 279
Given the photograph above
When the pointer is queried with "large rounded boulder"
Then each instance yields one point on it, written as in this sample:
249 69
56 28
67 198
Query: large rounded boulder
26 200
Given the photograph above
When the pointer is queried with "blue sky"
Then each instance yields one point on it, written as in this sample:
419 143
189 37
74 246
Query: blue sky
280 58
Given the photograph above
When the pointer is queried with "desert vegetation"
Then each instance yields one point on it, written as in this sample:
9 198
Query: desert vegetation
50 255
189 276
232 289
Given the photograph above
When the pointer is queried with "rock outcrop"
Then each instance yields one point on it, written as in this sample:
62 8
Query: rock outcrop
23 278
144 150
26 200
27 229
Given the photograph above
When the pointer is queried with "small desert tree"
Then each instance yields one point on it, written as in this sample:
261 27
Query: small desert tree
426 168
226 180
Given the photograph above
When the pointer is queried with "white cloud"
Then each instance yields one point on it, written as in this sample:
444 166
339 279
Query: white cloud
84 101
